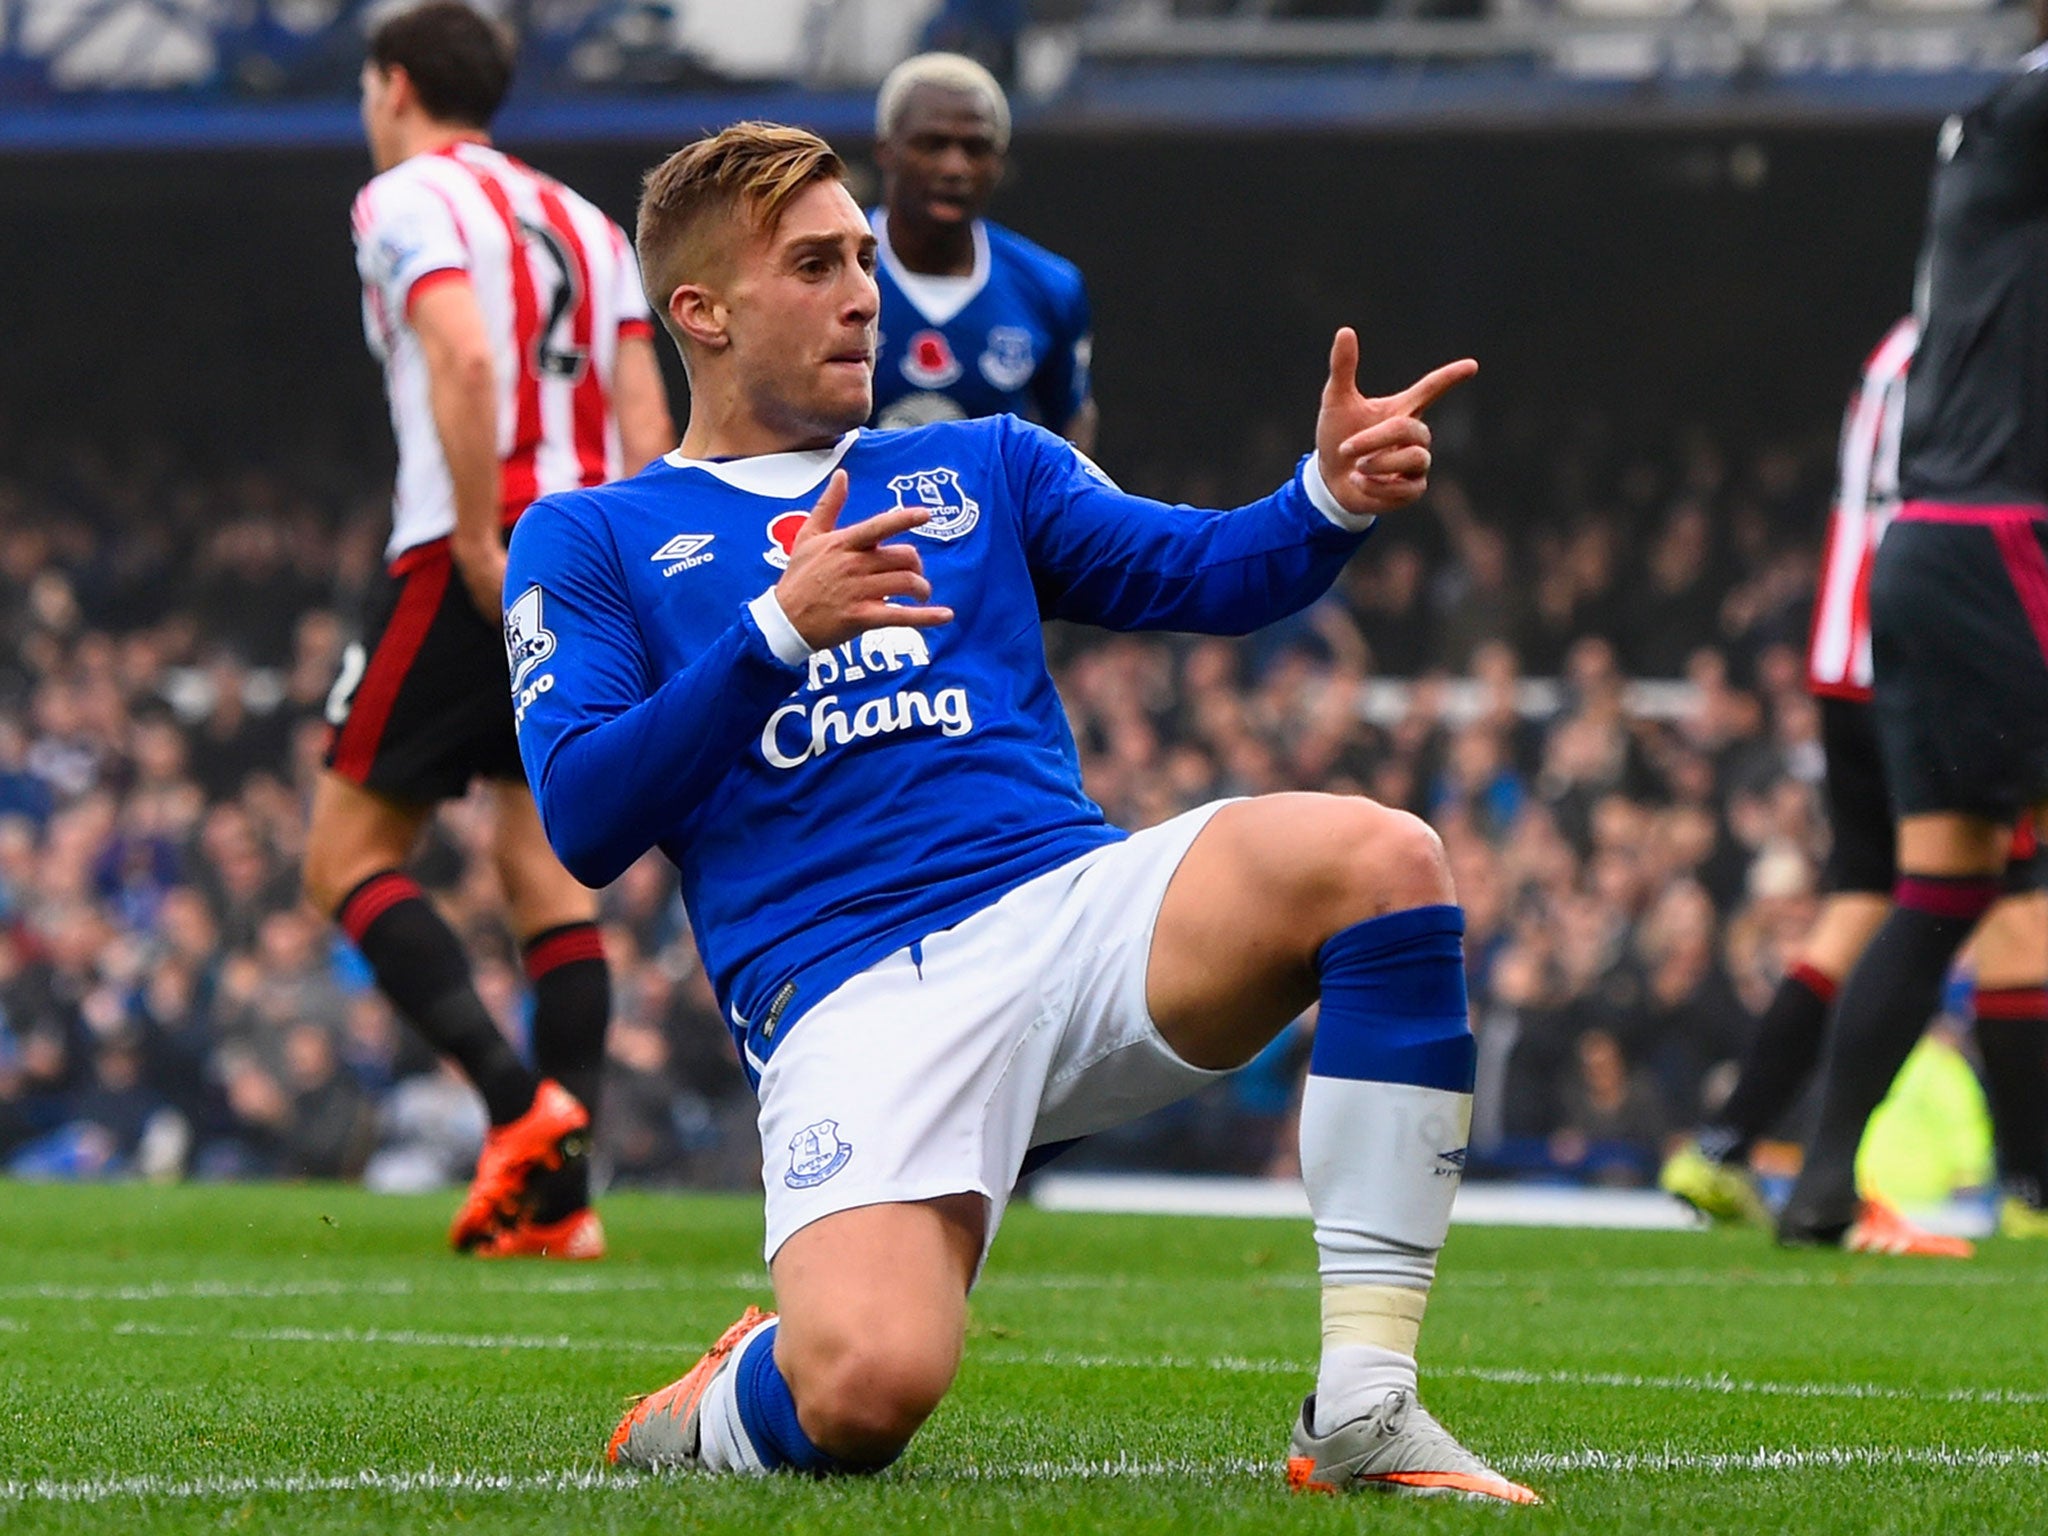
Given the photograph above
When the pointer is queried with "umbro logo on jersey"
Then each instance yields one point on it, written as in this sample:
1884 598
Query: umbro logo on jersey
684 552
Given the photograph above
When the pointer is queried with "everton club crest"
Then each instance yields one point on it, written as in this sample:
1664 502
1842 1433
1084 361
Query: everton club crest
1009 361
815 1154
937 491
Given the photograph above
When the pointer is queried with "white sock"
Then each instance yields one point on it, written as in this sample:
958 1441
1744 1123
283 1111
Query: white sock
1369 1334
722 1441
1381 1163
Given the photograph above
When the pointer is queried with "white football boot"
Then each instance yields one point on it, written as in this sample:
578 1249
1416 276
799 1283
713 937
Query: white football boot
1394 1447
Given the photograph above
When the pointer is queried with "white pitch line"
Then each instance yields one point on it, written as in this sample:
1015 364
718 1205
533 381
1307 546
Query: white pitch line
204 1290
1914 1275
1944 1278
1060 1359
227 1290
402 1337
1734 1387
1720 1385
1586 1460
429 1480
1857 1458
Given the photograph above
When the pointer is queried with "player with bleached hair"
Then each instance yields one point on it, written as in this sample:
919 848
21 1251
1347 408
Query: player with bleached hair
805 660
975 319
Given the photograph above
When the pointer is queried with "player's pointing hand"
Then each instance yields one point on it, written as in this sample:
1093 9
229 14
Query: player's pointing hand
840 581
1373 451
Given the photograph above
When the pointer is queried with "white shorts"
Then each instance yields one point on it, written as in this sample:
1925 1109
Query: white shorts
935 1070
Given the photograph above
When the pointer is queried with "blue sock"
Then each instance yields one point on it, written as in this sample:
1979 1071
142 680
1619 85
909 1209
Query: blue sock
1394 1007
768 1413
1387 1108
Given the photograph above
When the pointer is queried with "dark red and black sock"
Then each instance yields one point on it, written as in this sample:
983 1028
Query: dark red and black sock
1886 1004
420 966
2012 1037
1776 1066
572 1004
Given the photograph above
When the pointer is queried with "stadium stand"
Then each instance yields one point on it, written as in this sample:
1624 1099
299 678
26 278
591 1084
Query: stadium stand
1581 663
1634 864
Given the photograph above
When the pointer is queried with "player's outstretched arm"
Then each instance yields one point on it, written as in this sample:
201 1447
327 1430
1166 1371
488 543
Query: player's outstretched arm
1373 451
1100 556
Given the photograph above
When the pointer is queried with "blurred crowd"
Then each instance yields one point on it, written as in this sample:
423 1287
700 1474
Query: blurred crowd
1635 859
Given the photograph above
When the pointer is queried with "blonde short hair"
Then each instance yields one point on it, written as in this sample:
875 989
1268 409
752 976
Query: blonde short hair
754 170
948 72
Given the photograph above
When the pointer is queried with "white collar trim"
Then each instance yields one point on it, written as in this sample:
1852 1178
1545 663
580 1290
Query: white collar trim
773 474
938 299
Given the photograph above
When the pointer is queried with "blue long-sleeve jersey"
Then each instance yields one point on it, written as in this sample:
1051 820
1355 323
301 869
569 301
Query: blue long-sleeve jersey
828 810
1013 336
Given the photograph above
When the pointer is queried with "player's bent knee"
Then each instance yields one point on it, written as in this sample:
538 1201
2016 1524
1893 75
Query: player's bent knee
864 1404
1392 861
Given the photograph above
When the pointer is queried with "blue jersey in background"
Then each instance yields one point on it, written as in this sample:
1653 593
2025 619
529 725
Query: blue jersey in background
1012 337
827 809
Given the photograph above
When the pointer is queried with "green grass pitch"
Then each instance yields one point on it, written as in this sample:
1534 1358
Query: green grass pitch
312 1359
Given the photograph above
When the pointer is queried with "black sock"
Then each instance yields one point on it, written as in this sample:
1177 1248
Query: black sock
572 1004
1886 1005
420 966
2012 1037
1776 1066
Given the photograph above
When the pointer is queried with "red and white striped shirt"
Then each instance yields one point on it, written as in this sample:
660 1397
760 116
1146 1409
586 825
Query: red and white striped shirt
558 287
1866 499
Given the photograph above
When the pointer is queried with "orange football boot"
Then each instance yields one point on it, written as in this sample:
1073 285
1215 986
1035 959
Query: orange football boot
579 1235
552 1129
661 1430
1881 1229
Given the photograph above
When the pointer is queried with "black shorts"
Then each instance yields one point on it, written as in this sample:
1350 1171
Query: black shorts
424 701
1959 617
1863 856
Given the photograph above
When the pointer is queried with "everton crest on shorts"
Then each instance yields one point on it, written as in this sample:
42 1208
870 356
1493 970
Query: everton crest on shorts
815 1154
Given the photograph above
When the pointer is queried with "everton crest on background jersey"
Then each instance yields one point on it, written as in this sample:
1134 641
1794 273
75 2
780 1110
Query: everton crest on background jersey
1012 336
